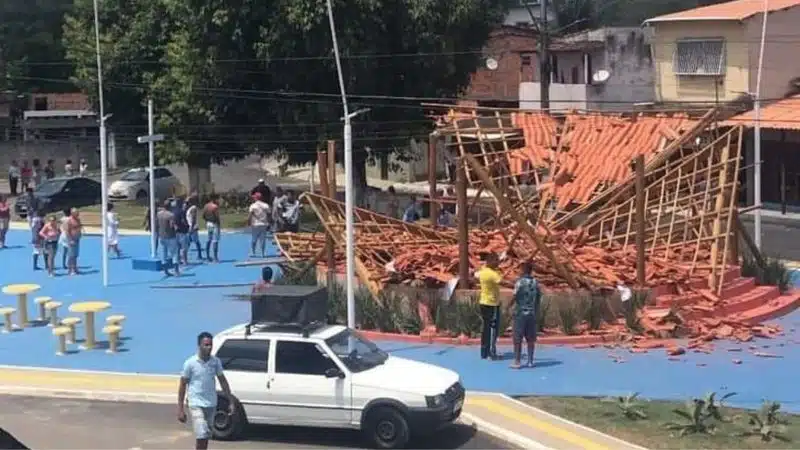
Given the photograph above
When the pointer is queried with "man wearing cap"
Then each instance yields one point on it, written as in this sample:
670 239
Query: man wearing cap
263 189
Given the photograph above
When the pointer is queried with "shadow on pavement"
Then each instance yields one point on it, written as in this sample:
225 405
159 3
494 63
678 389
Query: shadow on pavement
452 437
8 441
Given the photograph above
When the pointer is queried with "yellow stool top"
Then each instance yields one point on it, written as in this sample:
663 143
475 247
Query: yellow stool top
111 329
61 331
71 321
115 318
17 289
7 310
89 307
42 300
52 305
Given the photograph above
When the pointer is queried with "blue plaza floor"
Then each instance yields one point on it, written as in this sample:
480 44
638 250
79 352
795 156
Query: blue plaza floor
162 324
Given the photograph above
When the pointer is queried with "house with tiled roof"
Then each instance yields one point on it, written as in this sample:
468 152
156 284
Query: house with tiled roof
711 54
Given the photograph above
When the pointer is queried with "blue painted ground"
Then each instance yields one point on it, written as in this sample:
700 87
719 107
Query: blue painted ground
163 323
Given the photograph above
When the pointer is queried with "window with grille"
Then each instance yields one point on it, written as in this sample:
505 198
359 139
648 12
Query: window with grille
699 57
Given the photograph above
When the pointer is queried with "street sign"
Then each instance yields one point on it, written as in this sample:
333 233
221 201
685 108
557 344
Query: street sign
150 138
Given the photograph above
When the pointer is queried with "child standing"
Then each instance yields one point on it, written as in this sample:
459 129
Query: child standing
113 230
37 223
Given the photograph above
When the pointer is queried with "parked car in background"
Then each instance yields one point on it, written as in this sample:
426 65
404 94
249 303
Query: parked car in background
135 185
59 194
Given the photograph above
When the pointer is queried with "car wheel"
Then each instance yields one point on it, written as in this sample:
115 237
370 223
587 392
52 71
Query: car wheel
387 427
141 195
227 426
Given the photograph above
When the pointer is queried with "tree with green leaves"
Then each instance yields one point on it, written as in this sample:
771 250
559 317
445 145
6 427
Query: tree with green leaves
239 76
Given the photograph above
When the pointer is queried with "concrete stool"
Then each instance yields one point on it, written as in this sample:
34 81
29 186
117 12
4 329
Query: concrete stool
52 309
40 302
7 312
71 322
61 333
113 337
116 319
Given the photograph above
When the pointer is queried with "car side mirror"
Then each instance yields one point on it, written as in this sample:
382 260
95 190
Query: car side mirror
334 372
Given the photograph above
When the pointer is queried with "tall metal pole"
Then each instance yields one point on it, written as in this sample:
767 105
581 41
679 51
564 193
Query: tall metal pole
348 179
103 149
757 134
544 62
151 154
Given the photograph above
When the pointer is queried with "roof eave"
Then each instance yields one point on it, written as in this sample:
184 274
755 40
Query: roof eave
689 19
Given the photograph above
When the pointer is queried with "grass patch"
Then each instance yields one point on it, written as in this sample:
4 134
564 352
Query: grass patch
131 216
649 430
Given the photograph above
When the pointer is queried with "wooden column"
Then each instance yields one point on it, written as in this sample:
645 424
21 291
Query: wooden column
433 205
733 250
640 224
463 225
330 191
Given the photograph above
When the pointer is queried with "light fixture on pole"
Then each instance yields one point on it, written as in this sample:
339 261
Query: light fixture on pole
757 134
103 148
348 176
151 140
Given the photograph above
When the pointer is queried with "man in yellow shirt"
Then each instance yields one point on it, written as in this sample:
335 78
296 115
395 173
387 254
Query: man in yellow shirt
489 278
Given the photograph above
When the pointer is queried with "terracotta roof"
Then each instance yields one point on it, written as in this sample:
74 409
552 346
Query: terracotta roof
781 115
735 10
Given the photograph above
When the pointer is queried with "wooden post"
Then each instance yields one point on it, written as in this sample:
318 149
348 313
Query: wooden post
733 251
640 224
433 205
783 187
463 226
330 246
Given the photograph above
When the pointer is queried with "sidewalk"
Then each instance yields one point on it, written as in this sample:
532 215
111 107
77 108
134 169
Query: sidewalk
498 415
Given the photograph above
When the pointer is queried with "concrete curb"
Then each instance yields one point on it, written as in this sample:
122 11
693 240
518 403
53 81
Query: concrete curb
502 434
108 396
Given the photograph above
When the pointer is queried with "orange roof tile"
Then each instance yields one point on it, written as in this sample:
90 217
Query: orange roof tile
781 115
735 10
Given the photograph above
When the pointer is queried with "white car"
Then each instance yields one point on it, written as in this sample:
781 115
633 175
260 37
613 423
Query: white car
135 185
330 376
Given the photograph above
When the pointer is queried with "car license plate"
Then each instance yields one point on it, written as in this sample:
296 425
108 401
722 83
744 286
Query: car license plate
459 404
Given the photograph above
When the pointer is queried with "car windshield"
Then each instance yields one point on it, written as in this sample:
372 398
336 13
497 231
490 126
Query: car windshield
50 187
356 352
134 175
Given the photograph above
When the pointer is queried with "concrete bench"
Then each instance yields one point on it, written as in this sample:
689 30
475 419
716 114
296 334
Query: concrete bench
116 319
71 322
7 311
40 302
61 333
52 312
113 332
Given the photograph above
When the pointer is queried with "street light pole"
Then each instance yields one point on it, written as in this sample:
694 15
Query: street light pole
151 140
103 149
757 134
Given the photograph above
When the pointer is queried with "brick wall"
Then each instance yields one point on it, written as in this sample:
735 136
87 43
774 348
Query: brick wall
503 83
61 102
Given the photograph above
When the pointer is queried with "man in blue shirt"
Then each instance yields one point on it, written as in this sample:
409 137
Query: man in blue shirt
197 377
527 296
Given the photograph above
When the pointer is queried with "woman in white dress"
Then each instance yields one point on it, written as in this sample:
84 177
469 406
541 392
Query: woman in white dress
113 230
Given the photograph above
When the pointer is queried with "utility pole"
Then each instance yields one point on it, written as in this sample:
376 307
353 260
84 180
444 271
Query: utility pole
103 147
544 54
151 140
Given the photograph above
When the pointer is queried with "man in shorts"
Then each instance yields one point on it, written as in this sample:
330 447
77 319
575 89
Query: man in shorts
167 238
258 217
527 296
213 226
197 380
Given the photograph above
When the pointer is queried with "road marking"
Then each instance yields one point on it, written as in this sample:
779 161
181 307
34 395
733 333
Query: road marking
542 425
87 381
503 434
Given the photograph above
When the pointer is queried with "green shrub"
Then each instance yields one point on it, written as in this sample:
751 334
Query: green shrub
569 316
593 310
543 314
774 273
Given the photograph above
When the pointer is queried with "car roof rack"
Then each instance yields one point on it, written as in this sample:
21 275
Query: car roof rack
305 329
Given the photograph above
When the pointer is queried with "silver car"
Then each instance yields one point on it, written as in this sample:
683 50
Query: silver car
135 185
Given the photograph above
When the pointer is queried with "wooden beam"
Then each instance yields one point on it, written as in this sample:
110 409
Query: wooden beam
433 206
522 222
640 223
463 226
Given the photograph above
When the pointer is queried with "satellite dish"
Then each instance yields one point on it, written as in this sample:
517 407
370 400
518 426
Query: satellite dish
601 76
491 64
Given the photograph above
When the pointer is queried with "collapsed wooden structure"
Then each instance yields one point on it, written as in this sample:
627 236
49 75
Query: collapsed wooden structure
593 200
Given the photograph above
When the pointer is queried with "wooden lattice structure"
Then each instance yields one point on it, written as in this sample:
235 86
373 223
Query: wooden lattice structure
690 206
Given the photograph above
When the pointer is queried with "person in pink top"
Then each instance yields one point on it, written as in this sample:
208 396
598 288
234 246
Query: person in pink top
49 234
5 219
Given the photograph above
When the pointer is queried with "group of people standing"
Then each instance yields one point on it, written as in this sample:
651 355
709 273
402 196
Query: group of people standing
282 216
22 177
178 227
49 234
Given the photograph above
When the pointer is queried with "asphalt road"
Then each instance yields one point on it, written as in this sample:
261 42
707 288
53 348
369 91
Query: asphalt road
778 238
52 423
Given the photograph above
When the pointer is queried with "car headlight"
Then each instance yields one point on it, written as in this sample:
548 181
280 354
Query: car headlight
435 401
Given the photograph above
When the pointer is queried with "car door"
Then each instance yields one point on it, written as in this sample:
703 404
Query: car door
84 192
302 393
245 362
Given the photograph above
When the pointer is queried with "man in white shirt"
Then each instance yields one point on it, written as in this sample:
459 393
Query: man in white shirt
259 219
291 212
277 209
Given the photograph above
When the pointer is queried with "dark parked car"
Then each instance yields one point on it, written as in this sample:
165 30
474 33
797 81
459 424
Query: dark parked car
59 194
